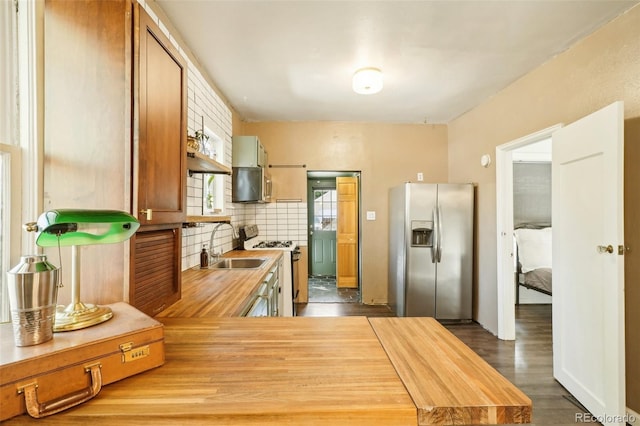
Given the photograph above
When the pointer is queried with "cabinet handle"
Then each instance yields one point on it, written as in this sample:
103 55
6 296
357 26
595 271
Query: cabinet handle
147 212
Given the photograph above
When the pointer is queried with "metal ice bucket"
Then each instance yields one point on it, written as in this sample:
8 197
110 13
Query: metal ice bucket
33 293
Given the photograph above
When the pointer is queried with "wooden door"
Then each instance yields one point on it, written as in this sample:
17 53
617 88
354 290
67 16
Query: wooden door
347 232
160 152
588 266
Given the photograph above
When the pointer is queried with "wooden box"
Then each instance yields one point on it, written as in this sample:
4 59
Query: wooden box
72 367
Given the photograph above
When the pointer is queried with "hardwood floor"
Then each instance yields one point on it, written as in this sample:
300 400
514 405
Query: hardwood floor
526 362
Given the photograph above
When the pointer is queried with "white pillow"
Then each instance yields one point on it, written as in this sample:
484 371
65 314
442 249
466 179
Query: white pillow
534 248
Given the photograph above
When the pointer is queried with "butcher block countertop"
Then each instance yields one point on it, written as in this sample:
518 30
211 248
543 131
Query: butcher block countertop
222 369
220 292
449 383
267 371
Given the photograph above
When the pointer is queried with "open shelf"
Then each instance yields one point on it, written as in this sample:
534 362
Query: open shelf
208 219
200 163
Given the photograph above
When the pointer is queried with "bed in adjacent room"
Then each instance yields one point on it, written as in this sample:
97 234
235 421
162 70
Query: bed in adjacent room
533 258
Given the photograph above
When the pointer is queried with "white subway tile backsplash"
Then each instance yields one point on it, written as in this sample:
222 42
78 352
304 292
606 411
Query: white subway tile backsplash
202 102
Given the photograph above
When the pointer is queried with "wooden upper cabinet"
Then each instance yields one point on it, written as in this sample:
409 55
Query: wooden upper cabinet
160 88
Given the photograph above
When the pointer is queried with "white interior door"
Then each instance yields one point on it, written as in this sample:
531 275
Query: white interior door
588 278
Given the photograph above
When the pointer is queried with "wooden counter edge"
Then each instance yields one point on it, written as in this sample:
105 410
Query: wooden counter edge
403 340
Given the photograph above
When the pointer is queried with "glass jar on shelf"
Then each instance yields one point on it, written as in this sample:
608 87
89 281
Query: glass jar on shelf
205 145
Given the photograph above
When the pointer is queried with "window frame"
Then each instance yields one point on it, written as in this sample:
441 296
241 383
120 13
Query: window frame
24 150
218 208
10 218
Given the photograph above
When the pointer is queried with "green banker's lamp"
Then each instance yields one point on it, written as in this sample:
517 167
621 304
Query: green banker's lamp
58 228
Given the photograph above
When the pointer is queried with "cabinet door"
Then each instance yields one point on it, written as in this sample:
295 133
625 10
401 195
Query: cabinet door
160 152
248 152
155 270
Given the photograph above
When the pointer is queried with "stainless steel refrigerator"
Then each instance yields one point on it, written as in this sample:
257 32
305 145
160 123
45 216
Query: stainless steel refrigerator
431 250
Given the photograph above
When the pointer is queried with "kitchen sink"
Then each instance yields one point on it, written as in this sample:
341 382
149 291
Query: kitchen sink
238 263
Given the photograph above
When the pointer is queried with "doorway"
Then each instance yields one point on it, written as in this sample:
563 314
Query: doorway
588 293
333 254
506 264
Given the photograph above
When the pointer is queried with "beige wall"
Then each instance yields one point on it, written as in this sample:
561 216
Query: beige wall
386 154
599 70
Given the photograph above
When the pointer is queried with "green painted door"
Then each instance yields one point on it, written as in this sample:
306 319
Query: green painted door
323 231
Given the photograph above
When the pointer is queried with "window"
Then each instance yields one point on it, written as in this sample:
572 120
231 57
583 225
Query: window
212 194
213 184
9 219
20 172
9 153
324 209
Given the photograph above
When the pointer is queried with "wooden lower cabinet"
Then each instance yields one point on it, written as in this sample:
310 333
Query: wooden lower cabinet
155 269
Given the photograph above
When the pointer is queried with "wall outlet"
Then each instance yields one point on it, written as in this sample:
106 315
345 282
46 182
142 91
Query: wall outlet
420 177
371 215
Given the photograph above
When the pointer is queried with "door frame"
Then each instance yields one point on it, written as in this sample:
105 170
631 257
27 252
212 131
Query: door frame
504 229
320 174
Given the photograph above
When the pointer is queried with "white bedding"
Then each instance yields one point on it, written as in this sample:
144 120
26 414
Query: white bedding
534 248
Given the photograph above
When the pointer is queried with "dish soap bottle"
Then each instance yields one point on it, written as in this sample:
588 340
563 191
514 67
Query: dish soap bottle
204 257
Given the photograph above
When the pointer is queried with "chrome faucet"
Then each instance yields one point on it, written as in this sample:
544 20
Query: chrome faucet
214 257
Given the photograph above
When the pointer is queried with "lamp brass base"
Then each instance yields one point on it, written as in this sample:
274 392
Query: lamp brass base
80 315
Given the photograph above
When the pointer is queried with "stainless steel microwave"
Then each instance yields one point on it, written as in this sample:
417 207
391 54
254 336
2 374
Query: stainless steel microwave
250 185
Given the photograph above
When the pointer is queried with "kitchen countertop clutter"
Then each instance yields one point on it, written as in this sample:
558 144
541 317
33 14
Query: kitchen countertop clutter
223 369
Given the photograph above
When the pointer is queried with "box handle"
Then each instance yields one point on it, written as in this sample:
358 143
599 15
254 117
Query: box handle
37 409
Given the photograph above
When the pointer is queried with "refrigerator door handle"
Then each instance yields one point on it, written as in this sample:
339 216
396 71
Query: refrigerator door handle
438 226
434 237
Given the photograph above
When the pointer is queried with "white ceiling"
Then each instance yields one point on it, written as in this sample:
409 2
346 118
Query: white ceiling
293 60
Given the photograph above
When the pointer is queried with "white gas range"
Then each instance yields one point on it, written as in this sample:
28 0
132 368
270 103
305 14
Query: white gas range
251 239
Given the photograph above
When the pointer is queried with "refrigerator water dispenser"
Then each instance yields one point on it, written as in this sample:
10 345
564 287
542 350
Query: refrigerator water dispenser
421 233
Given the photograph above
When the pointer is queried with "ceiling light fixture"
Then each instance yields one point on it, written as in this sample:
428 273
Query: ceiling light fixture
367 81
